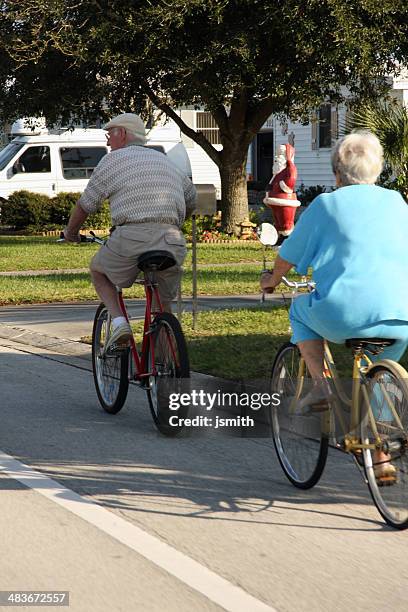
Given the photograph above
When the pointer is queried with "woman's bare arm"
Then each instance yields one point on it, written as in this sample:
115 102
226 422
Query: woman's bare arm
270 280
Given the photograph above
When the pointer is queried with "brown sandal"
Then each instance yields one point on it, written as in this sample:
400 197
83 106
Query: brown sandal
385 473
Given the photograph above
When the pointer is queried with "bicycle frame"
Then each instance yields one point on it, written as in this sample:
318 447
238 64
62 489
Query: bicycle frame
152 295
140 359
362 365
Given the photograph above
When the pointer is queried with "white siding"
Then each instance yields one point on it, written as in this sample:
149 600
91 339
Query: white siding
313 166
249 169
204 170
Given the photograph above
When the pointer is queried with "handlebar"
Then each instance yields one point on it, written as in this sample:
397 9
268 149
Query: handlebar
84 238
298 285
308 284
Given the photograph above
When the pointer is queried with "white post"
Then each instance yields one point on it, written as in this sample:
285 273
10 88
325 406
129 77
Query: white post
194 267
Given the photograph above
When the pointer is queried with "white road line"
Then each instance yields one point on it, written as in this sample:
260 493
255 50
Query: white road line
179 565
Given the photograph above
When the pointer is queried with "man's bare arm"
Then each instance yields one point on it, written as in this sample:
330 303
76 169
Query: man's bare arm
77 218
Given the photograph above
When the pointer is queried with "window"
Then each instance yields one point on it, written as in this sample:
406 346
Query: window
33 160
324 127
205 124
9 152
80 162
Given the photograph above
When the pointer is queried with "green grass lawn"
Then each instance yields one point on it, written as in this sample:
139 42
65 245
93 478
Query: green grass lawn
236 344
223 280
44 253
219 281
38 253
242 343
232 344
20 253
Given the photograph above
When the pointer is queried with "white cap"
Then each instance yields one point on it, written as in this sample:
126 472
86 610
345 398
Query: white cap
131 122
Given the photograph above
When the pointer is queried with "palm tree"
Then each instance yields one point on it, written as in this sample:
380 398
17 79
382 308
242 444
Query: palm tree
388 120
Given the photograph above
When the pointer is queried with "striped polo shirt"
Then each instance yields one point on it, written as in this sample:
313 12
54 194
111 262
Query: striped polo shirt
142 185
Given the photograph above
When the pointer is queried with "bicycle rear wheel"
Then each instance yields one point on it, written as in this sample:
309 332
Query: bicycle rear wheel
388 398
168 353
110 370
300 443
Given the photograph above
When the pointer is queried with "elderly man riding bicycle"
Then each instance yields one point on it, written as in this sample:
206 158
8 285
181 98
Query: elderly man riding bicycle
149 198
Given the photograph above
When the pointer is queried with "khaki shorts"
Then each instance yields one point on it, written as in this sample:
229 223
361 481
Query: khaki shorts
117 259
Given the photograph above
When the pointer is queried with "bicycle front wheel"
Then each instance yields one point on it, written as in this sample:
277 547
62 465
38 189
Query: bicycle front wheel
300 443
386 418
169 357
110 370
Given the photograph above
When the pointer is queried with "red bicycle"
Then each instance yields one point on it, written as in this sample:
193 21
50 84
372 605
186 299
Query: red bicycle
160 367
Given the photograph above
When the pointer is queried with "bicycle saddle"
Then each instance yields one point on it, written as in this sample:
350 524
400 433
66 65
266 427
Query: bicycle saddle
372 345
159 260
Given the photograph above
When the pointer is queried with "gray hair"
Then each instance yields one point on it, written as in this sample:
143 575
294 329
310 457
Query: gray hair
357 158
130 135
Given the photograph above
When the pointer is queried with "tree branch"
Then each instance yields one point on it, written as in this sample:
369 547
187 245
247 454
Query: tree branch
257 116
198 137
239 106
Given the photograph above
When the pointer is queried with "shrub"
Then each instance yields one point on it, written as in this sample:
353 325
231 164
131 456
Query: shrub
24 208
306 195
35 212
204 224
62 205
99 220
260 215
389 181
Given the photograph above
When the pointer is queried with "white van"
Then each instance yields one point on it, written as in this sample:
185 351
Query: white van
50 163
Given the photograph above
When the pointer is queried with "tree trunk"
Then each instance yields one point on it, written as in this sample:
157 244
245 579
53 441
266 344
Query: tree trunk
234 203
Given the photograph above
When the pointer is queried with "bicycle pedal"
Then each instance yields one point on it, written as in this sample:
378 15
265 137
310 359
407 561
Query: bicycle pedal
117 349
317 409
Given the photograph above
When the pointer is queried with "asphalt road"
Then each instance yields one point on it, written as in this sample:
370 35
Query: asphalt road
196 523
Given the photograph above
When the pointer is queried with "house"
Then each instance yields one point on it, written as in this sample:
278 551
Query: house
313 142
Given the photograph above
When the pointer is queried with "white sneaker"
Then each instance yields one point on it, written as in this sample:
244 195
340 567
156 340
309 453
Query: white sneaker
120 337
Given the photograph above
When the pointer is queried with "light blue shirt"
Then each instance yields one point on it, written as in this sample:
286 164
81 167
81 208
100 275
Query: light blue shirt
356 241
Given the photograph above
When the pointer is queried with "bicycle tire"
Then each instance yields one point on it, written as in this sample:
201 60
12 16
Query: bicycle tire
110 371
173 371
392 500
301 445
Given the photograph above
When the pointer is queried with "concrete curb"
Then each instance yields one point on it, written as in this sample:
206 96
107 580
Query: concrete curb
70 348
54 344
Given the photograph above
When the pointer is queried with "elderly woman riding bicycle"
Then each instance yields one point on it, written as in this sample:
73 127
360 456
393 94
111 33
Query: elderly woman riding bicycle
356 241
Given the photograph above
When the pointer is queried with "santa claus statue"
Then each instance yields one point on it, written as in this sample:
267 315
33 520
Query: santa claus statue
280 195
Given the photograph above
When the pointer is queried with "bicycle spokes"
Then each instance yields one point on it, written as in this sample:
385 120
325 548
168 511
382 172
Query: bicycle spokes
384 432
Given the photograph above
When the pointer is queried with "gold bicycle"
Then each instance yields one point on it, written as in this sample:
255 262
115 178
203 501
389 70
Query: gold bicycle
367 418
